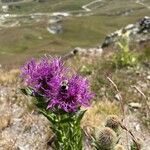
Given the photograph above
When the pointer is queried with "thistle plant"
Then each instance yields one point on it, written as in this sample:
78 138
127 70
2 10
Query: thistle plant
59 96
107 138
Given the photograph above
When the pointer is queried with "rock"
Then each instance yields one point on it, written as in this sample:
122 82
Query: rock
137 32
55 20
4 121
90 51
55 26
135 105
95 51
5 8
118 97
144 24
148 77
63 14
79 51
55 29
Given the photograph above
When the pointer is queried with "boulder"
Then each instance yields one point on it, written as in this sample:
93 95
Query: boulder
137 32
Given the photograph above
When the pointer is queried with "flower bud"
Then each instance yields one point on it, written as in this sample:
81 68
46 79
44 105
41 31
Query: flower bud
106 139
113 122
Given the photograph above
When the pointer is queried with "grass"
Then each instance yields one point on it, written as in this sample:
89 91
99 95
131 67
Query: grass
95 115
9 77
32 39
48 6
146 55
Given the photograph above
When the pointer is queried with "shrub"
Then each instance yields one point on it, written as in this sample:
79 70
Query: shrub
125 57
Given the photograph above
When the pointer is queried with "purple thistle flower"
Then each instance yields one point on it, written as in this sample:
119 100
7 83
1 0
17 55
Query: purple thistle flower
72 94
44 76
48 78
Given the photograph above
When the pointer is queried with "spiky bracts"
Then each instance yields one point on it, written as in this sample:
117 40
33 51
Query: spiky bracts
113 122
106 139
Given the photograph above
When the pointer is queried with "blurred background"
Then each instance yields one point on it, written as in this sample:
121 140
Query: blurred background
34 27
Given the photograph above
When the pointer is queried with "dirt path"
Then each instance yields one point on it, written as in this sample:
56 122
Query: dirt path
141 3
19 2
86 7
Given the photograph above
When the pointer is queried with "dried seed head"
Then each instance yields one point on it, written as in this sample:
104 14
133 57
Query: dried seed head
119 147
113 122
106 138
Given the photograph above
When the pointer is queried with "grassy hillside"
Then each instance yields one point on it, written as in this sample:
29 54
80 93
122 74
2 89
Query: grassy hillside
31 38
47 6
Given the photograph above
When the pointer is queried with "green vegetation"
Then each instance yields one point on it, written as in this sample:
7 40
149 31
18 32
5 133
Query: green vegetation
47 6
125 57
31 38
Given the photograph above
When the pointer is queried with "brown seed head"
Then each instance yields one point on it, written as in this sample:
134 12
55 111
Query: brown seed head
113 122
106 138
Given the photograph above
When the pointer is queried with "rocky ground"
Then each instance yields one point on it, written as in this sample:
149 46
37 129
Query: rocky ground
22 128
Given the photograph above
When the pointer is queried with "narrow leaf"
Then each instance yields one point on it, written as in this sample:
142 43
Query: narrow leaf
27 91
80 116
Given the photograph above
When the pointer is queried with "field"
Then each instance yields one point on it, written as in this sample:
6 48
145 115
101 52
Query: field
31 38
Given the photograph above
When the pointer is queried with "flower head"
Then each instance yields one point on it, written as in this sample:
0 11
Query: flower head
113 122
72 94
48 78
44 76
106 138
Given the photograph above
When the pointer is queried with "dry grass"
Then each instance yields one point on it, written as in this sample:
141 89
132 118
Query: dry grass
9 77
97 113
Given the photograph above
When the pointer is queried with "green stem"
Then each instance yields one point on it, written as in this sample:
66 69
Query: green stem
68 135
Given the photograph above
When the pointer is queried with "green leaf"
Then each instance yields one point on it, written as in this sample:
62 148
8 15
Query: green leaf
40 102
80 116
133 146
48 116
27 91
69 119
